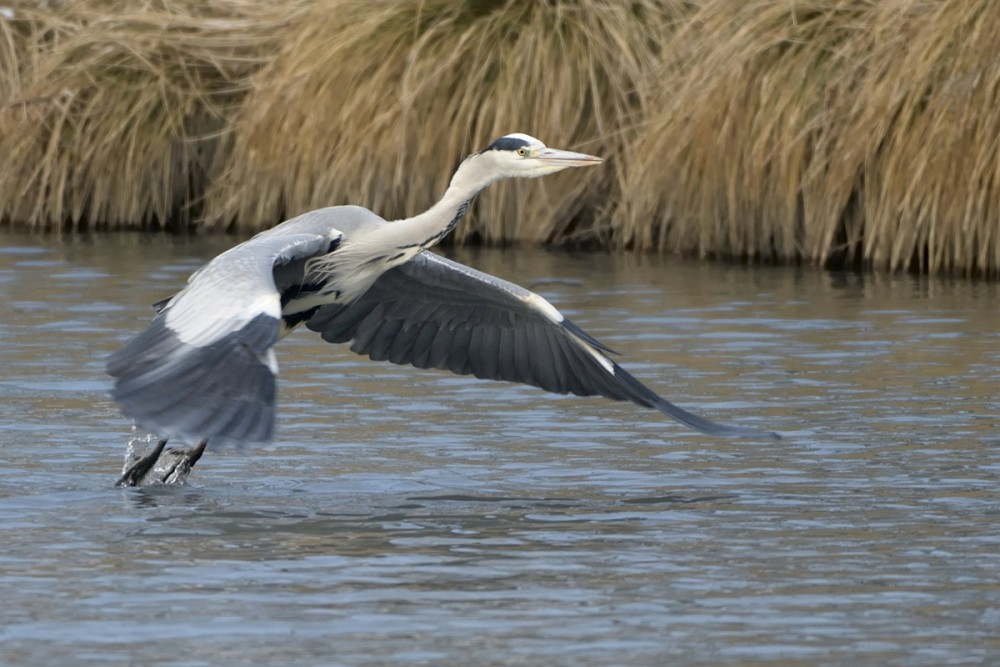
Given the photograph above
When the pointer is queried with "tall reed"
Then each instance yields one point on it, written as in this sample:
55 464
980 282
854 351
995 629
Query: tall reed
117 121
857 132
373 102
829 130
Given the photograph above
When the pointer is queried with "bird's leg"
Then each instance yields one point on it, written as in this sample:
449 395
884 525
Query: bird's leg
138 470
184 462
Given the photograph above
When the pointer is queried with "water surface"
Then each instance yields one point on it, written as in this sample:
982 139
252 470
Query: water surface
411 517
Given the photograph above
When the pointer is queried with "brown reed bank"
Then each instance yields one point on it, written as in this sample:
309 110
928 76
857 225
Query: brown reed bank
379 114
844 132
114 110
835 131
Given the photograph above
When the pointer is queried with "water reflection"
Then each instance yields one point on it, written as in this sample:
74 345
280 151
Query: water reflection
412 517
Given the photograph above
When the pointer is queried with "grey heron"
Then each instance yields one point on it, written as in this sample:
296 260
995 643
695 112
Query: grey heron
205 370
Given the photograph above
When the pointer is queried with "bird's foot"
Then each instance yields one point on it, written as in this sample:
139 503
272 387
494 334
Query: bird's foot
175 465
184 459
134 474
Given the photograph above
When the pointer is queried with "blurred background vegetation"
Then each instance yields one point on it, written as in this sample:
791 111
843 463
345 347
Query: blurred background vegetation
832 132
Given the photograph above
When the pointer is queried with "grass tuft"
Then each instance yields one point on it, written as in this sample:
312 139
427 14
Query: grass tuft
835 131
117 120
379 115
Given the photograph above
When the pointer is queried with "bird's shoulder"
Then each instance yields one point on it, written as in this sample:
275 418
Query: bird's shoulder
345 219
430 266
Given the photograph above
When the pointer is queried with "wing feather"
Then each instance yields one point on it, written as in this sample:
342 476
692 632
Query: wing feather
459 352
402 346
421 351
477 342
383 338
440 345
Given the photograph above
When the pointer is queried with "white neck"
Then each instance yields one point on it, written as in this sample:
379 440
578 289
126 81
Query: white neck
427 229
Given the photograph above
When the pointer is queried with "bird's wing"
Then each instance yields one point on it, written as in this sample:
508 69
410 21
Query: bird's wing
435 313
205 368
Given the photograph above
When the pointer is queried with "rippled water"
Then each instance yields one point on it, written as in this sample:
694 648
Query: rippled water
415 518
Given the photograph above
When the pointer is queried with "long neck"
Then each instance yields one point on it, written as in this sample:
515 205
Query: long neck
426 229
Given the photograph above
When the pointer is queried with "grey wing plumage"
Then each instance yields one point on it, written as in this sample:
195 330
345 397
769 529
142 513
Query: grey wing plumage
435 313
205 368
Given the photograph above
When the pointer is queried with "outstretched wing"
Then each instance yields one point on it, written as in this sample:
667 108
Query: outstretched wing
435 313
205 368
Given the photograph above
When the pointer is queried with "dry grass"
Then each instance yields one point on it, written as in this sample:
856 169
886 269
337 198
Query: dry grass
13 52
117 120
837 131
379 115
830 131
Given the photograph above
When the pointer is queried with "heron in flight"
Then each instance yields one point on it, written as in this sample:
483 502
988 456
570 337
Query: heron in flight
205 369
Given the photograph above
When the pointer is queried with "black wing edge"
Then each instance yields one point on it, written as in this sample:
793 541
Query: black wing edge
643 395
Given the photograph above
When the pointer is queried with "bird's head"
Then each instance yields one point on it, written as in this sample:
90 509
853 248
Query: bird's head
520 155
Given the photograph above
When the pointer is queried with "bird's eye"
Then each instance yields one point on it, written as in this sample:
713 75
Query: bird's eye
522 151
